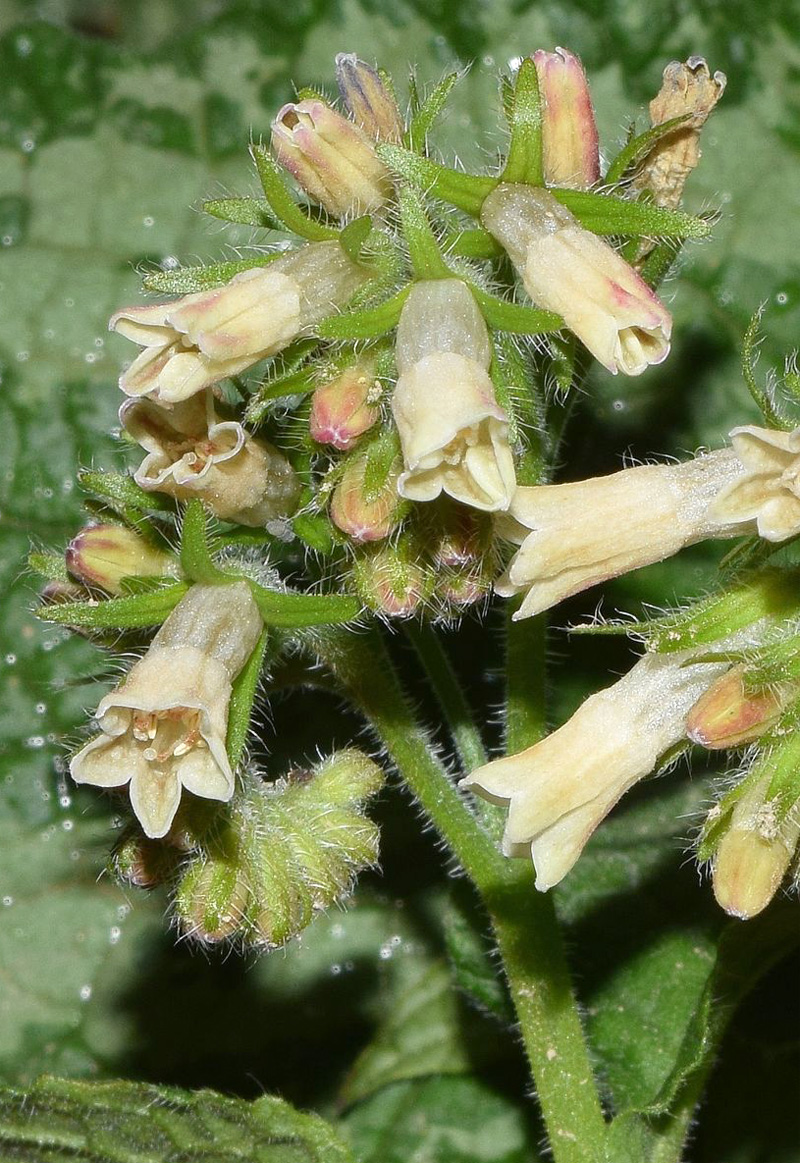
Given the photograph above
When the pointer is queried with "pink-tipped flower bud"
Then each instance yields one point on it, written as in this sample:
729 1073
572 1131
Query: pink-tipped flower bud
330 158
363 512
728 715
345 407
368 99
569 131
104 555
392 581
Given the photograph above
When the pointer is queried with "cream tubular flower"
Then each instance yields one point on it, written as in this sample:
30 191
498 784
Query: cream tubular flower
191 453
559 790
203 338
568 270
569 131
765 499
163 729
453 432
588 531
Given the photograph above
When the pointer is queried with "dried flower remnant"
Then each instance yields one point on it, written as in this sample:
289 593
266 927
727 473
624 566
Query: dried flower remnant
688 90
453 432
164 728
330 158
559 790
572 536
202 338
191 453
570 146
568 270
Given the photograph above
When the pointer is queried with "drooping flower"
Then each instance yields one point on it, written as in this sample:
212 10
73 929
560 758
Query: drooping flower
572 536
765 497
164 728
570 146
559 790
203 338
453 432
191 453
568 270
332 159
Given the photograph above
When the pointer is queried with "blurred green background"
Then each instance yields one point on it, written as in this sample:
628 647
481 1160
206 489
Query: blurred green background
116 119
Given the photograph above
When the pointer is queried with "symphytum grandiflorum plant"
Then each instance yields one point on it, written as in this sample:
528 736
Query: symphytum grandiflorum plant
345 444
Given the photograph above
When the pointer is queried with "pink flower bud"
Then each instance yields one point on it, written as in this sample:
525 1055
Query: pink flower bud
368 99
728 715
102 555
363 514
391 581
330 158
346 407
569 131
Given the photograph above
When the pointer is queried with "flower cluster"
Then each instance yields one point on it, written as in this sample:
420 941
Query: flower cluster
366 409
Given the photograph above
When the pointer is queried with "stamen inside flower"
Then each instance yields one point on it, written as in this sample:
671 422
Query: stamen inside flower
168 734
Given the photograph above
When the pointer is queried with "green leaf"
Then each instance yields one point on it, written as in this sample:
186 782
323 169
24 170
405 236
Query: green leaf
137 1123
477 243
240 710
420 1037
524 160
474 967
354 235
185 280
283 204
466 191
607 214
440 1120
245 211
130 613
423 249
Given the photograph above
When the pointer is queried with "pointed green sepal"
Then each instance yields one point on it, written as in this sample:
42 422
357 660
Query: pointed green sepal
316 531
298 384
50 566
514 317
638 147
128 613
659 261
120 492
369 323
354 235
764 401
466 191
245 211
292 610
477 243
281 202
607 214
197 561
426 258
524 160
187 280
426 114
243 695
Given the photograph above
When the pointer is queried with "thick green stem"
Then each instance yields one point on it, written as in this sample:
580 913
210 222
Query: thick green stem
523 921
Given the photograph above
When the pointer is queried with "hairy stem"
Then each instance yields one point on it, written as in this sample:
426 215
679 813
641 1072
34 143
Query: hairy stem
524 922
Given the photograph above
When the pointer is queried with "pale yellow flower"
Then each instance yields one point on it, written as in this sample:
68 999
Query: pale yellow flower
164 728
568 270
453 433
765 497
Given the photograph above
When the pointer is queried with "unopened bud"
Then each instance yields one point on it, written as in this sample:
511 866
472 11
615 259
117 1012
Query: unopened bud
330 158
140 862
368 99
104 555
728 715
362 512
754 854
569 130
345 407
211 900
390 581
457 535
56 592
